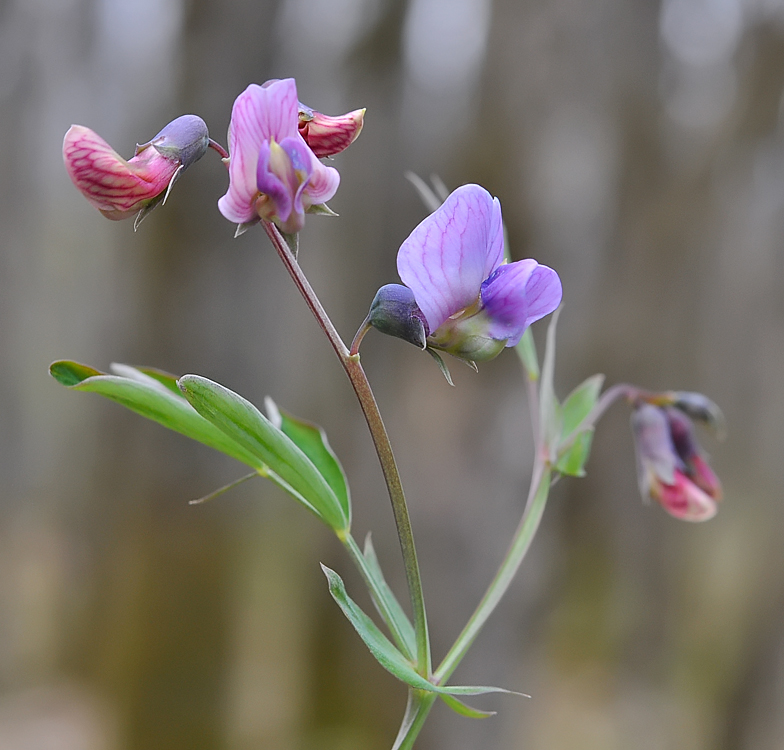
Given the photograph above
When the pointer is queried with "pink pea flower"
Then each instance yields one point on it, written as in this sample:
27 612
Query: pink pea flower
671 466
460 296
273 174
327 135
120 189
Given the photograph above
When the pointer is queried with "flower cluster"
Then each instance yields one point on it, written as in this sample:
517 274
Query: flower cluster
460 296
671 466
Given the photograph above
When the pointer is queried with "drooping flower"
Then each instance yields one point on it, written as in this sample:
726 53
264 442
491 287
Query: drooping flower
327 135
120 189
470 303
273 174
671 466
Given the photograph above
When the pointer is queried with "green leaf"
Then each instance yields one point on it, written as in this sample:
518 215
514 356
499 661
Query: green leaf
148 397
526 350
247 426
403 624
550 409
579 402
464 710
572 461
312 441
385 652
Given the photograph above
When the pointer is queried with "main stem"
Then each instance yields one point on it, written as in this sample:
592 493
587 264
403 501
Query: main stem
378 432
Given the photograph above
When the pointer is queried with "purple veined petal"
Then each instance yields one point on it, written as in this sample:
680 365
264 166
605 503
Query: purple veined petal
447 257
300 169
259 114
518 294
324 181
273 184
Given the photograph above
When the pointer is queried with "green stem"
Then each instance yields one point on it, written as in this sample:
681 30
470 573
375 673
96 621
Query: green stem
521 542
537 499
381 442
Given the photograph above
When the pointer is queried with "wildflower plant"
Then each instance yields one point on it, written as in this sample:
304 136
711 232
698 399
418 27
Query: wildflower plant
461 296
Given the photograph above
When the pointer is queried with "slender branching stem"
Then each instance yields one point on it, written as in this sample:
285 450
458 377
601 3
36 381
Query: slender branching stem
215 146
378 432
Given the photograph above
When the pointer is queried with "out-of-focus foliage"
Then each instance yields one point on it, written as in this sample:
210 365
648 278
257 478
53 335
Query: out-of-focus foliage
636 148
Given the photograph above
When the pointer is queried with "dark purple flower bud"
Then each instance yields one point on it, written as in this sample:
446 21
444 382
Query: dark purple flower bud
699 408
394 311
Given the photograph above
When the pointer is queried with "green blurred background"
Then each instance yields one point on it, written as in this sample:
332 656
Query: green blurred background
635 146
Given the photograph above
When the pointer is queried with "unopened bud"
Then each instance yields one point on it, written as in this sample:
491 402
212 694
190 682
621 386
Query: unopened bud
394 311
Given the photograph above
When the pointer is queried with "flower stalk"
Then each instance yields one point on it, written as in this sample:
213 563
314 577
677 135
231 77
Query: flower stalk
358 378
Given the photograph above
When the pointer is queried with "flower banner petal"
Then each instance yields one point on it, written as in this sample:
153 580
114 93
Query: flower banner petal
447 257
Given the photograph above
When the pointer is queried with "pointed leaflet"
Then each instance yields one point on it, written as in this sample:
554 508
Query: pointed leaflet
573 456
247 426
385 652
464 710
402 623
149 397
579 402
312 441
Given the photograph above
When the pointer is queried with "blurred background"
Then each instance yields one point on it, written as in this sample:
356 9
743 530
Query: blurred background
635 146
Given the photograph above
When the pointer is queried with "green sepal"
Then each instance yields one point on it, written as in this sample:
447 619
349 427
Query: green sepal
403 624
464 710
321 209
312 441
572 461
579 402
385 652
148 396
441 365
247 426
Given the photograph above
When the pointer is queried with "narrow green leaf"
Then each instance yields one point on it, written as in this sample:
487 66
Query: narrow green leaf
385 652
579 403
464 710
526 350
247 426
71 373
163 377
151 399
572 462
312 441
441 365
403 624
550 409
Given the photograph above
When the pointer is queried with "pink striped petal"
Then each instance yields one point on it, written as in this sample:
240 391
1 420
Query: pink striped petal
117 187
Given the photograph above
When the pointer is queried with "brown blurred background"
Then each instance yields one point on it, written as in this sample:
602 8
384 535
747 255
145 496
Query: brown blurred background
636 147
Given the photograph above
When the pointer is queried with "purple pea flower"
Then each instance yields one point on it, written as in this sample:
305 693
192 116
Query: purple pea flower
273 175
460 296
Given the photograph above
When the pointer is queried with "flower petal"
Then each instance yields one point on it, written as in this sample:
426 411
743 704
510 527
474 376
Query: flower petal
685 500
517 295
259 114
323 182
447 257
111 184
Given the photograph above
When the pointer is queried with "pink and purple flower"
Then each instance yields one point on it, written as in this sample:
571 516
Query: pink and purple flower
273 174
671 466
461 297
120 189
